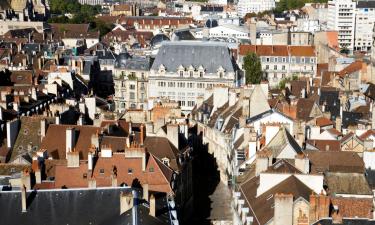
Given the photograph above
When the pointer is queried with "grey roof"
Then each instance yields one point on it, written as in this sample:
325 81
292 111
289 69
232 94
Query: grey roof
73 207
207 54
366 4
126 61
345 221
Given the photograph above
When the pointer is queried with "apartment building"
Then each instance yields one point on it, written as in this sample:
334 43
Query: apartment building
341 17
131 81
91 2
282 61
183 70
365 20
256 6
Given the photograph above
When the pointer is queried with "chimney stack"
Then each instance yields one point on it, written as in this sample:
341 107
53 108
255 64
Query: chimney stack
23 198
283 209
152 206
172 134
69 140
263 160
145 191
126 202
302 163
90 160
142 135
42 129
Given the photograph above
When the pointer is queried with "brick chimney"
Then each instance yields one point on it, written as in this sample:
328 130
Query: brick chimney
283 209
126 202
319 206
152 206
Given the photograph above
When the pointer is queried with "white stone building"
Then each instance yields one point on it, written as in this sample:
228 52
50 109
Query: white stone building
365 20
341 17
254 6
183 70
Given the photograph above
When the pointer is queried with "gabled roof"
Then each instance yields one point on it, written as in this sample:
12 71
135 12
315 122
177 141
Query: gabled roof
161 148
283 166
281 140
261 206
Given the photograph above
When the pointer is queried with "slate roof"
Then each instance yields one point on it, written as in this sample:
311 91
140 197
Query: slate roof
365 4
209 55
282 139
330 96
29 133
74 207
345 221
350 119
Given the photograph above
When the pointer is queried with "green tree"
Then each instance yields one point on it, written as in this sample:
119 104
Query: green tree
253 69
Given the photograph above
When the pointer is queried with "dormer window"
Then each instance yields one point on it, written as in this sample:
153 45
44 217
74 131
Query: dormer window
165 161
191 73
161 68
201 71
220 72
181 73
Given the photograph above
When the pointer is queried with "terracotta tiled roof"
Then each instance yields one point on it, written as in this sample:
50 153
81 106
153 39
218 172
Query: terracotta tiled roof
278 50
325 145
367 134
354 207
122 7
55 140
22 77
353 67
323 122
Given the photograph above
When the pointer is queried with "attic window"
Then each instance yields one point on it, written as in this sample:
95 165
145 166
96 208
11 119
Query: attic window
101 171
84 176
165 161
151 169
25 131
19 77
130 170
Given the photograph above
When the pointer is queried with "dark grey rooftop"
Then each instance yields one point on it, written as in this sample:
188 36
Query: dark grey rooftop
210 55
70 206
345 222
366 4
